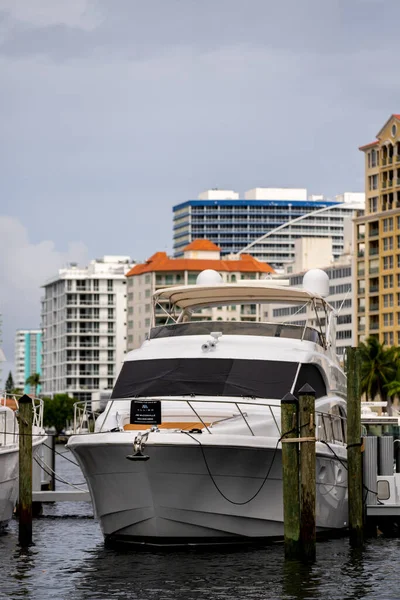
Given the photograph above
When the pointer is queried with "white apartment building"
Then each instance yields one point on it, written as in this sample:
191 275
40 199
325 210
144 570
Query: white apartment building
161 271
84 327
28 358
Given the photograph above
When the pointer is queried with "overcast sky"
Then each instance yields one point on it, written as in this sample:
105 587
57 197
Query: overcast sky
112 111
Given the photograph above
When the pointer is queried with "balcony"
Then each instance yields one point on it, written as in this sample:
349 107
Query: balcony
373 289
373 251
374 271
374 326
361 327
361 272
384 185
374 232
361 309
374 307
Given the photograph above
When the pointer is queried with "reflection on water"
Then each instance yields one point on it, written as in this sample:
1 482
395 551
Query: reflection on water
69 561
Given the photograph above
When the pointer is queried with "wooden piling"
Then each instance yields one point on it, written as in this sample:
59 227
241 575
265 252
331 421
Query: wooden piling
290 476
307 472
25 414
354 458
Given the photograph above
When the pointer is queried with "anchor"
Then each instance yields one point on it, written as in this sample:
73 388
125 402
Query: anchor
138 447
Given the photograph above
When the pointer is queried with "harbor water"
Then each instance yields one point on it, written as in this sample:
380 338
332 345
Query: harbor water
69 561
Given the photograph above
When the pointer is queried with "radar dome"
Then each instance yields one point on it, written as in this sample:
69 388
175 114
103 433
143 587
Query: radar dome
316 281
208 277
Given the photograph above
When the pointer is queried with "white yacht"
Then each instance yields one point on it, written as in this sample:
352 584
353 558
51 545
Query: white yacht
188 448
9 450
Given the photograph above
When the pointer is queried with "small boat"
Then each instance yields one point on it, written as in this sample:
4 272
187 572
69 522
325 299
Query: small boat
9 450
188 448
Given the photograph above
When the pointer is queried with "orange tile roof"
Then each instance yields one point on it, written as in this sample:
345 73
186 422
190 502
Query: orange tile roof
369 145
161 262
202 245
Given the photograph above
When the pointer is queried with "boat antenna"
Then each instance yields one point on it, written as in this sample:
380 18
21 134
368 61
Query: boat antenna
343 301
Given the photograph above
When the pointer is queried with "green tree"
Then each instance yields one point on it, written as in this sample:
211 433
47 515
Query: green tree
9 383
34 381
378 369
57 411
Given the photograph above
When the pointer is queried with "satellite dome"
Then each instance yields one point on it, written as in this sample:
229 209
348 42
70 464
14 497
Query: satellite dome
208 277
316 281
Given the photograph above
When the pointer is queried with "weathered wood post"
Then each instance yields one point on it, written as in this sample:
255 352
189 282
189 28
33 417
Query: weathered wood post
25 414
307 472
290 475
354 461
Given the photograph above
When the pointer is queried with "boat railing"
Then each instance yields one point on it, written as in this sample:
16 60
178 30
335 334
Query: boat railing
329 427
84 418
12 401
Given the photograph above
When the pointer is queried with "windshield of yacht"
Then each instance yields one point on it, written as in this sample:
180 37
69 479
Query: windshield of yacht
217 377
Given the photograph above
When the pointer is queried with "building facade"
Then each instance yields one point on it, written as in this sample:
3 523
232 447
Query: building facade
84 327
28 358
161 271
265 223
377 259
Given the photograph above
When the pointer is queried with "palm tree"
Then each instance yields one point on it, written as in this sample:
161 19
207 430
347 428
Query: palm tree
34 381
378 369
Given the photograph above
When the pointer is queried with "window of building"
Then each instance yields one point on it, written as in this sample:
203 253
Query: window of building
388 224
130 324
387 300
130 310
110 299
388 319
169 279
110 314
147 294
95 285
398 227
130 296
388 338
69 284
109 285
388 281
373 204
147 279
147 308
388 262
388 243
147 322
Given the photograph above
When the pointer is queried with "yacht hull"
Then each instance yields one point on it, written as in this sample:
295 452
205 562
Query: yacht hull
8 483
223 491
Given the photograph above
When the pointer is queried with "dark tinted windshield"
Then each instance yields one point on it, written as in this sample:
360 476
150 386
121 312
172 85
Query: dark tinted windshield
214 377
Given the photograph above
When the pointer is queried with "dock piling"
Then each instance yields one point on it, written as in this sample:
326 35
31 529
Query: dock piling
290 476
354 461
25 415
307 472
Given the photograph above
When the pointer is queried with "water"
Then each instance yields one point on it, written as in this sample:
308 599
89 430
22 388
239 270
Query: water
70 562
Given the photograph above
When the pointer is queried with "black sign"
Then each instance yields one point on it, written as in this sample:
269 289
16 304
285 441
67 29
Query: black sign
145 412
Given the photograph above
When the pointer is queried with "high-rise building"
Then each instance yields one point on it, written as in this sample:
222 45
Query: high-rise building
28 358
84 327
377 272
161 271
265 223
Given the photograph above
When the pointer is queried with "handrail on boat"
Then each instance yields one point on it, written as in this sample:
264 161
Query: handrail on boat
12 401
330 427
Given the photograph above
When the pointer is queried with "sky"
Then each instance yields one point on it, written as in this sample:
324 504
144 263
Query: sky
113 111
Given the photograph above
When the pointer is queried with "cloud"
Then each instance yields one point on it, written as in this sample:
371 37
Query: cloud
80 14
24 267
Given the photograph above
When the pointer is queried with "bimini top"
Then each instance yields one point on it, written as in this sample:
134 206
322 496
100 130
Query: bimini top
257 292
